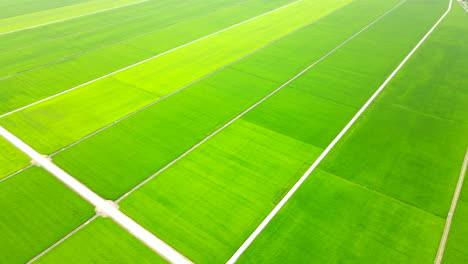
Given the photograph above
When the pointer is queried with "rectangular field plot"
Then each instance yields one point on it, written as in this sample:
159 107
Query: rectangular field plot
115 27
400 153
89 50
11 159
37 211
194 170
214 195
417 133
101 241
21 22
395 146
159 134
247 131
22 7
158 77
331 218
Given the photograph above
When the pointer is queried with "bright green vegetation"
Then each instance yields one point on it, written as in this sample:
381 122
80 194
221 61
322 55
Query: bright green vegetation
113 23
37 210
106 242
159 134
450 47
191 209
11 159
128 97
440 89
46 16
154 137
214 96
215 195
133 22
64 119
331 218
380 196
430 100
386 55
10 8
383 193
109 44
404 146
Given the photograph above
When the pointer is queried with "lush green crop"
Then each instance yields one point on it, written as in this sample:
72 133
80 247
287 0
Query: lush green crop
159 134
131 22
57 77
209 218
50 122
402 160
382 194
22 251
106 242
88 50
20 7
330 218
215 195
37 210
11 159
50 15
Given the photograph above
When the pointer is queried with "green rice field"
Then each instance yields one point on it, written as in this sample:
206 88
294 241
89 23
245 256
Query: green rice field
235 131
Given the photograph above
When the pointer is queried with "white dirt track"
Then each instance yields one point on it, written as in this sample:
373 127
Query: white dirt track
102 205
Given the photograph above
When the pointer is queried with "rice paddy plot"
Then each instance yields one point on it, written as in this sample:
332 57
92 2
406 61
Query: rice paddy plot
21 7
30 20
324 48
224 107
332 218
278 58
412 162
95 60
53 32
320 30
217 192
431 108
427 148
226 178
37 210
11 159
106 242
152 79
159 134
54 50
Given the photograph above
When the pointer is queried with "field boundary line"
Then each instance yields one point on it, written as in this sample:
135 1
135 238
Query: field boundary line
16 172
82 31
256 104
453 206
184 20
69 18
62 239
380 193
296 186
139 232
148 59
174 92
